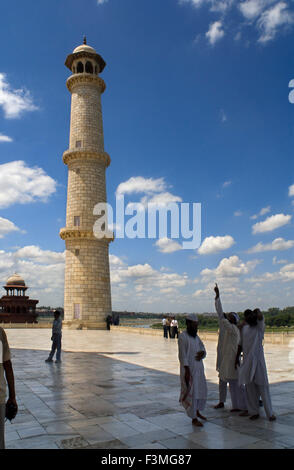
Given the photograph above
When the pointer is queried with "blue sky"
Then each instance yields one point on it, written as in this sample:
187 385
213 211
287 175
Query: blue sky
196 104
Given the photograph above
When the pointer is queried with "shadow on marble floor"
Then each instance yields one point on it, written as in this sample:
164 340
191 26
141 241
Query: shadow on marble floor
91 400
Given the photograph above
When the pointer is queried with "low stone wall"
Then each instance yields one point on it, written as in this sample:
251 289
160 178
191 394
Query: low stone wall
34 326
272 338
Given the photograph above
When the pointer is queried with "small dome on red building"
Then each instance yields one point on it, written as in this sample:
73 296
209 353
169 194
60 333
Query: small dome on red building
15 280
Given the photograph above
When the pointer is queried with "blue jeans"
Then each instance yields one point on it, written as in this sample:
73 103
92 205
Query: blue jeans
56 344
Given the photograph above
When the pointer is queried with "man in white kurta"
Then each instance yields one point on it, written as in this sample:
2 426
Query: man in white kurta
253 372
193 382
228 371
223 385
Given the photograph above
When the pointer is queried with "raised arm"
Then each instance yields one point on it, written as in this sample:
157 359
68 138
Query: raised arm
218 304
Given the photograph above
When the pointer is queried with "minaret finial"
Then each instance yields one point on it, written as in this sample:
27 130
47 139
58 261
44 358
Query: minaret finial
85 40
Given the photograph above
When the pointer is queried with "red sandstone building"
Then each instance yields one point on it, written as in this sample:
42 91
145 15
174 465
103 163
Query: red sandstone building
15 306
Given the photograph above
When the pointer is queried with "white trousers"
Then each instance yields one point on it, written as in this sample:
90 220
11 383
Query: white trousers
222 386
2 419
253 392
238 395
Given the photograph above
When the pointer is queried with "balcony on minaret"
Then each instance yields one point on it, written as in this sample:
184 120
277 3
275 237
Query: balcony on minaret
85 59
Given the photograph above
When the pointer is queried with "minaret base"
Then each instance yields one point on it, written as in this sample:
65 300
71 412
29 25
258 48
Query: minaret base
83 325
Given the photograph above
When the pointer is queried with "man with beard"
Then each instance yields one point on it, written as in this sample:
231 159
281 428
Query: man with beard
228 370
193 382
253 372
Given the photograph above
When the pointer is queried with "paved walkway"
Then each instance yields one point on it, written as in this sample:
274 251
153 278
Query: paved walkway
114 390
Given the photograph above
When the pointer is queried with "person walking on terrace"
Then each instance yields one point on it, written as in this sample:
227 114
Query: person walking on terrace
168 328
174 328
6 372
253 372
109 322
164 327
228 369
193 382
56 338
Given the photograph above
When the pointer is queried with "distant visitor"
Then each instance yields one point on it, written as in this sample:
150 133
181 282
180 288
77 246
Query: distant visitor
56 338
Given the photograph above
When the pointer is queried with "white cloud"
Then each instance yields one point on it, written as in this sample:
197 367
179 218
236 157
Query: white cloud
166 245
146 276
21 184
251 9
6 226
5 138
285 274
160 200
223 116
238 213
291 190
272 223
263 211
231 267
34 253
279 244
214 5
14 102
280 261
100 2
215 244
138 184
115 261
226 184
215 32
155 191
272 19
208 292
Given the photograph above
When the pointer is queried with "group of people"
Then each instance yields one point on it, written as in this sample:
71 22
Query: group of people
247 379
170 327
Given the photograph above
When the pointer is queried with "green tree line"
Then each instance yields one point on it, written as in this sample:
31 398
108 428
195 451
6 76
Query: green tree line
274 317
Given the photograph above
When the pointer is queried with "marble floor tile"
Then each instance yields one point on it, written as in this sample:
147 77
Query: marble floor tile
146 438
156 445
119 430
180 442
262 445
31 432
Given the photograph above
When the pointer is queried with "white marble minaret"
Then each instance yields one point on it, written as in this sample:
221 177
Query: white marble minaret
87 295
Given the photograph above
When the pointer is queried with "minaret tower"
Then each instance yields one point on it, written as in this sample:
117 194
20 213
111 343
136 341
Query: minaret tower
87 295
